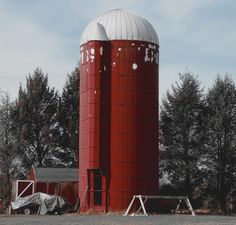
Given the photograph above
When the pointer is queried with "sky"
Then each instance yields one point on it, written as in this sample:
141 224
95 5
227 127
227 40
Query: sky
196 36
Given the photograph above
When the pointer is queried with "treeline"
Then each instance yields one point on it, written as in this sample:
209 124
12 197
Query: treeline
40 126
198 141
197 135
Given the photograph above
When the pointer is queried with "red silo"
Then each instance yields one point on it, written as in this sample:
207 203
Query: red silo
118 152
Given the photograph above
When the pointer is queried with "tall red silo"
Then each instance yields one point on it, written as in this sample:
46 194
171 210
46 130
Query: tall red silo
118 152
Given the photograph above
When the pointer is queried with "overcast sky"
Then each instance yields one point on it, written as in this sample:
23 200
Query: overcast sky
197 36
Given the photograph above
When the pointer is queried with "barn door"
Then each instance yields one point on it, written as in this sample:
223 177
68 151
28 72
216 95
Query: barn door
24 188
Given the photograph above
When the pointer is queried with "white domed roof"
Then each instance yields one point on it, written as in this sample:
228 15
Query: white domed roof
119 24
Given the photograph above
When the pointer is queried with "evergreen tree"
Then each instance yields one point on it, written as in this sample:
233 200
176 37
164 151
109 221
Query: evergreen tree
7 140
182 136
34 119
221 103
8 156
68 118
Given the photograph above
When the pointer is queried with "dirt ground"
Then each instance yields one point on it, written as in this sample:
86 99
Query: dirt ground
116 220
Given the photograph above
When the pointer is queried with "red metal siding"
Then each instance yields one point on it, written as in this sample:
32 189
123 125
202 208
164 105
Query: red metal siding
41 187
93 60
68 190
134 125
119 123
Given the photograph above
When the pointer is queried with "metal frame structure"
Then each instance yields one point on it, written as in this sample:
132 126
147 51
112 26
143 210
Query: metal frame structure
143 199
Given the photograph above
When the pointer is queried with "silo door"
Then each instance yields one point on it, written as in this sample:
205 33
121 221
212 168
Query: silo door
97 187
94 188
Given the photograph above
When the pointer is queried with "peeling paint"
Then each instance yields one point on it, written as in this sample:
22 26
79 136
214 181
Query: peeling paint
119 49
101 50
157 58
114 63
152 46
146 58
133 44
82 57
92 51
87 56
134 66
150 54
138 48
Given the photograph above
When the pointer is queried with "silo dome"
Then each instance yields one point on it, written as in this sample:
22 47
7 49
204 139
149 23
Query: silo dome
119 24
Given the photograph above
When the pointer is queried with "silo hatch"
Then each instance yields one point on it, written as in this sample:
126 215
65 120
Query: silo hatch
97 187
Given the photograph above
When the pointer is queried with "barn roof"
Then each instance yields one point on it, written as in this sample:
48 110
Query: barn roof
55 174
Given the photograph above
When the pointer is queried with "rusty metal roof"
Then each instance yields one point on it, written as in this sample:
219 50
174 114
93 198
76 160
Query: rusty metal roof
55 174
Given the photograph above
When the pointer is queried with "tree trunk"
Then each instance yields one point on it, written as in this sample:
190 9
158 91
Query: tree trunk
188 188
221 190
188 181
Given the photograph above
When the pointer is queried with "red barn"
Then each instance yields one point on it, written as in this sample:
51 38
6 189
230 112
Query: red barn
59 181
118 152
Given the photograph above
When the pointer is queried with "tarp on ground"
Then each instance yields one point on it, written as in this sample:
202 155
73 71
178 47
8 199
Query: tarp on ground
47 203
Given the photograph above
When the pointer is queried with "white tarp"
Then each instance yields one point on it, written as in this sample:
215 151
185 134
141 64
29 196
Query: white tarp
47 203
